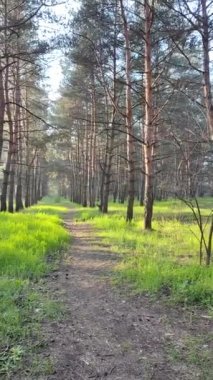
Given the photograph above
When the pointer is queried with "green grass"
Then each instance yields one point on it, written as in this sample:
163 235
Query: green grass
51 206
194 351
25 241
165 260
31 243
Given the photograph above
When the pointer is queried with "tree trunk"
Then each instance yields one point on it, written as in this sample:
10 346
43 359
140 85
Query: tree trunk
85 167
2 109
206 68
5 183
107 170
19 202
27 188
9 163
92 192
11 185
19 115
209 247
128 121
15 135
108 173
148 120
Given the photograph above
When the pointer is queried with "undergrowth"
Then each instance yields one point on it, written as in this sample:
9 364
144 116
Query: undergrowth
163 261
31 243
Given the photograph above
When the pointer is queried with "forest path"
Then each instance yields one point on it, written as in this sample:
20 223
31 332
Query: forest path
106 333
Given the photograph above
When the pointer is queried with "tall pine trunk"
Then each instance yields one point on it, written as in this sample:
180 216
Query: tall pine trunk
92 190
206 68
2 108
128 120
149 134
9 163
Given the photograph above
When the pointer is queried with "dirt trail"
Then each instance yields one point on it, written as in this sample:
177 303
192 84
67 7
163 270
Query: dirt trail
106 334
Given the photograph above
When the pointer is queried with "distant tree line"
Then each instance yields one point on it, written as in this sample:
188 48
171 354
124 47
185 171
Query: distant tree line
23 105
135 116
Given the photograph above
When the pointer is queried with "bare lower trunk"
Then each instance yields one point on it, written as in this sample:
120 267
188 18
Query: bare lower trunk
209 247
141 191
115 193
33 187
85 168
5 183
19 202
107 181
108 165
27 188
11 187
148 202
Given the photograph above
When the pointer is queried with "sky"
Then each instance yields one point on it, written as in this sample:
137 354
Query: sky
54 72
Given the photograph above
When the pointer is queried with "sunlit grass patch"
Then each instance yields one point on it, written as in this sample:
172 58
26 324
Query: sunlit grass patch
165 260
48 209
51 206
189 284
30 244
25 241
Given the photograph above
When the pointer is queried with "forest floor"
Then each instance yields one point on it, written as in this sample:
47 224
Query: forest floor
109 333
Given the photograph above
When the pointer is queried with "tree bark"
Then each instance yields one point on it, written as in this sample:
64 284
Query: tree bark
206 69
92 191
15 134
85 166
2 109
9 162
148 120
19 202
128 121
